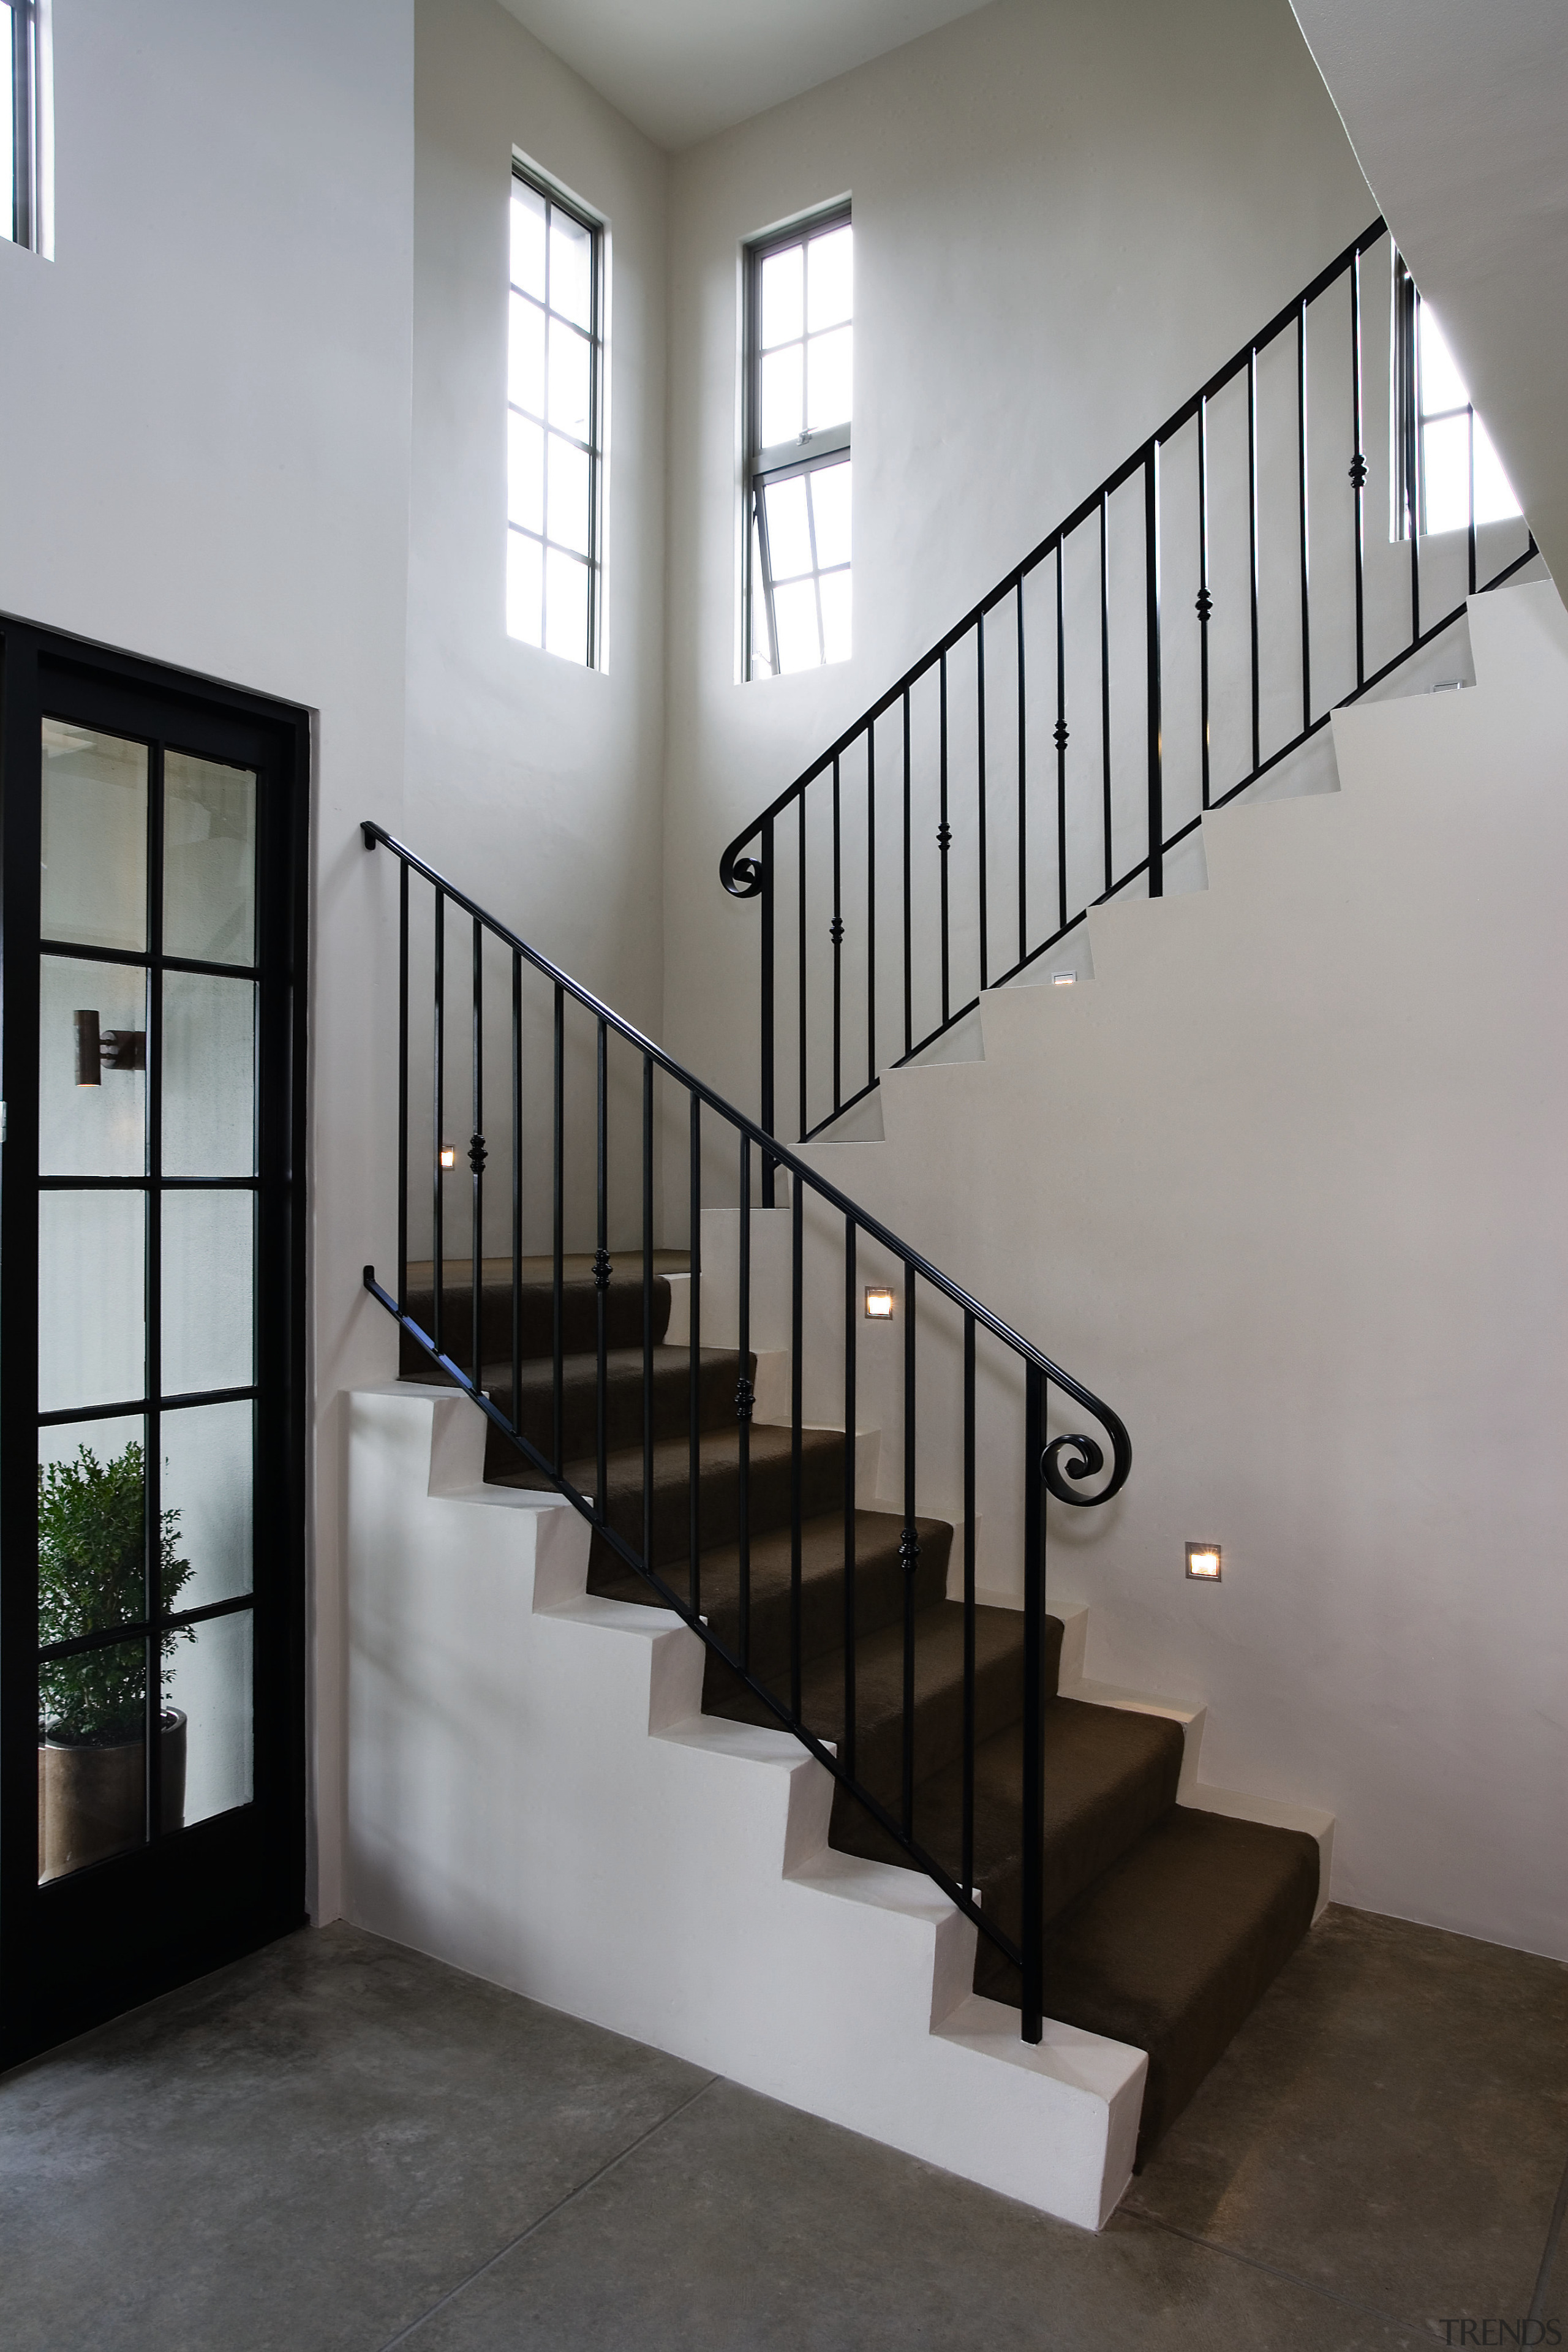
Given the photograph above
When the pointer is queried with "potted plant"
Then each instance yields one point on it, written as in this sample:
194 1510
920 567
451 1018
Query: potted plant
92 1719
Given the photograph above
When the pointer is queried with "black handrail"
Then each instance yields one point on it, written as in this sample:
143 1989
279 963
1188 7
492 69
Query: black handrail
746 876
1055 1465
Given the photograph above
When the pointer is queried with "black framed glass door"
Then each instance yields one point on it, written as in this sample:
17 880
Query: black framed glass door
151 1329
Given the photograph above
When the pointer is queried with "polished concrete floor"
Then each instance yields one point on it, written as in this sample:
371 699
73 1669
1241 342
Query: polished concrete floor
338 2146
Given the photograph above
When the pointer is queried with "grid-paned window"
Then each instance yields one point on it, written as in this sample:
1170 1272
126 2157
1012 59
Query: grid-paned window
799 375
554 404
1448 469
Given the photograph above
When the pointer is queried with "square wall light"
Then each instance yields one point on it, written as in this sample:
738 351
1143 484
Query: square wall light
1204 1561
879 1305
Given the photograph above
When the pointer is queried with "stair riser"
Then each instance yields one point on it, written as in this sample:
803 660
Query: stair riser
821 1488
717 1376
878 1601
580 1320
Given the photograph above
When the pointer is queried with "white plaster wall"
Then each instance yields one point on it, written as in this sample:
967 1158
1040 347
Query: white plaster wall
1066 216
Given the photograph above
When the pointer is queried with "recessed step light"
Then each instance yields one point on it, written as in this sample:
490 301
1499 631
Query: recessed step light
1063 978
1204 1561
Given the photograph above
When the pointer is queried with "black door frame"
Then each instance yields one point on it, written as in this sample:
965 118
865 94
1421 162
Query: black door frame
89 1945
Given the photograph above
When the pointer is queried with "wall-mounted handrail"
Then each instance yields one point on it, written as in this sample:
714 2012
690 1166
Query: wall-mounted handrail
1053 807
1056 1466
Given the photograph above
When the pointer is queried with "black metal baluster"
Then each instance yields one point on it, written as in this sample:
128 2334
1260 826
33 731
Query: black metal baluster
402 1088
966 1871
870 910
1252 546
694 1365
558 1231
943 832
909 951
796 1419
800 805
516 1189
908 1556
438 1204
744 1402
1358 474
846 1744
1151 627
1060 735
836 933
1301 461
648 1310
980 788
1034 1703
477 1168
602 1272
1205 602
1023 796
769 1164
1105 685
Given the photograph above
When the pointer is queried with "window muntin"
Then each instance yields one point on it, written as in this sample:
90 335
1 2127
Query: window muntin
799 340
555 407
1447 466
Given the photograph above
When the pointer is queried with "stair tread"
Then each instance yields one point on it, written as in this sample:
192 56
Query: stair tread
1173 1946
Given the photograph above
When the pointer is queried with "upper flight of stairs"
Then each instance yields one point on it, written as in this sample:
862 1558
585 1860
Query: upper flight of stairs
1165 1923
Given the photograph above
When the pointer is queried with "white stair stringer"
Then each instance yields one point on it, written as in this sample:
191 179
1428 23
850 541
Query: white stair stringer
535 1797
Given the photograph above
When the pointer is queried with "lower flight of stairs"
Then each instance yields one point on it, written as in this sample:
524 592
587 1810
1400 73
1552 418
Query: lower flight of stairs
1164 1923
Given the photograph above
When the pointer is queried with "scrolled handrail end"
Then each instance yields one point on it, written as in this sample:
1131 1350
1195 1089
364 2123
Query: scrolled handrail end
742 877
1090 1462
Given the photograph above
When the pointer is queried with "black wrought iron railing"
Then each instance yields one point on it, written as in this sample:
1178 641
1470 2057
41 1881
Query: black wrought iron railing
585 1139
1262 560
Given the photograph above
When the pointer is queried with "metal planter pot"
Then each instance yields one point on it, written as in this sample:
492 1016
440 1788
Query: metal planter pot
90 1802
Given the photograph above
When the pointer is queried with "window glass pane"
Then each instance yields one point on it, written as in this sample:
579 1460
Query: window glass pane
833 590
525 355
1445 463
209 860
209 1076
830 280
795 617
208 1291
524 472
1494 501
781 411
571 281
207 1483
85 1010
789 535
569 356
209 1682
92 1790
91 1320
524 589
528 239
565 605
762 655
92 1552
1442 385
94 849
567 509
830 514
829 366
782 309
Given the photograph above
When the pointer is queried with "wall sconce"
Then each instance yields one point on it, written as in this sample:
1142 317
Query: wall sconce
1063 978
99 1049
448 1155
879 1305
1204 1562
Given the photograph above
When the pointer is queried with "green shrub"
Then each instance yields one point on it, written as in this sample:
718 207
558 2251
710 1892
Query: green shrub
91 1536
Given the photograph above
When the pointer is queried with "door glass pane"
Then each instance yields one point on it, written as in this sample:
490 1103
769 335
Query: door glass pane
208 1290
93 1068
209 860
209 1076
94 850
91 1553
92 1784
208 1683
207 1485
92 1335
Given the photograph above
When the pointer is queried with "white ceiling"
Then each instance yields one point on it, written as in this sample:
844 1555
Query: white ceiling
682 70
